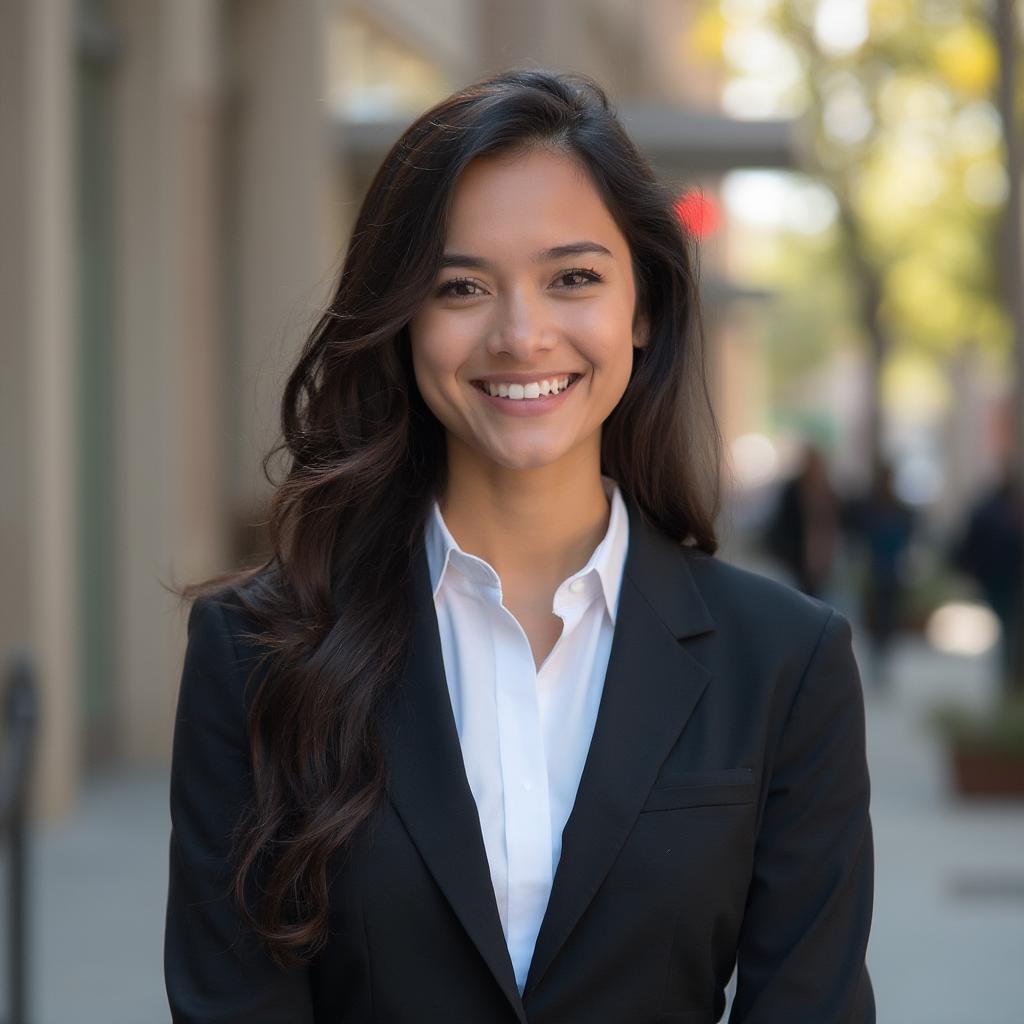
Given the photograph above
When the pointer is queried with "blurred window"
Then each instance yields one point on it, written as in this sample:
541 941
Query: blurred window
376 74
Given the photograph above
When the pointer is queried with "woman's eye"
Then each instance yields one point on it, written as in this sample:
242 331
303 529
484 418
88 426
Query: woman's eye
449 288
589 276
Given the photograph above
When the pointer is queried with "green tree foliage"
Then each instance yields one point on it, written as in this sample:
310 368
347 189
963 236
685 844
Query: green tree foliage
895 99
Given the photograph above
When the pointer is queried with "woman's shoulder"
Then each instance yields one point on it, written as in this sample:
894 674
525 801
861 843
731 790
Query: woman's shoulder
225 635
771 634
233 607
745 602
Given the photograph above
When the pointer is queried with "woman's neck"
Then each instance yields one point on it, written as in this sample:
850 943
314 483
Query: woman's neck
541 524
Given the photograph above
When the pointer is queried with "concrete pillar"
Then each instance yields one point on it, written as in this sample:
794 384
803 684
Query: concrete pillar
282 242
37 367
171 451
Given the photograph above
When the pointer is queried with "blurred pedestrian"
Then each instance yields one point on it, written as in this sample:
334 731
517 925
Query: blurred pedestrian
804 531
882 526
990 548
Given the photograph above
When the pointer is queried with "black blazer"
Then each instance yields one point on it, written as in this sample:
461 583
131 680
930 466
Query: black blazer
722 814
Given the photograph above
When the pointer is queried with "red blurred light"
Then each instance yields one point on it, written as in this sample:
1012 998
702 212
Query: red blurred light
699 214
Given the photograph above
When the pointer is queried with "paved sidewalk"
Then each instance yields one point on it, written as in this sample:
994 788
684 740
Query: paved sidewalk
98 892
948 936
949 905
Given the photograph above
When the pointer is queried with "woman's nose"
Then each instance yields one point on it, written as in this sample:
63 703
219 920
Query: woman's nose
523 328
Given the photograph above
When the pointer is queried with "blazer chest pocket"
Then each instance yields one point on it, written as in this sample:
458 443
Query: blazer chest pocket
702 789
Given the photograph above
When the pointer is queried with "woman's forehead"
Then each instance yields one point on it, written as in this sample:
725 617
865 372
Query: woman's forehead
528 203
529 173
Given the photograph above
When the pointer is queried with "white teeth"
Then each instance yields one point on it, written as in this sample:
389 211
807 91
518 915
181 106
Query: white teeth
535 389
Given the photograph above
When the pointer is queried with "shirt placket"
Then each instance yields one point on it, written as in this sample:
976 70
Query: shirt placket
525 784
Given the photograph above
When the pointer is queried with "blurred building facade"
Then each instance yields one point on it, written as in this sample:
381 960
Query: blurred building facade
177 183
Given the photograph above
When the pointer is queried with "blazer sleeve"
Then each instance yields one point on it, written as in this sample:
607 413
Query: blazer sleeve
214 967
802 945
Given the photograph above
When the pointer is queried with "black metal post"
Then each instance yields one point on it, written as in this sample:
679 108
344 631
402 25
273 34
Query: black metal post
20 716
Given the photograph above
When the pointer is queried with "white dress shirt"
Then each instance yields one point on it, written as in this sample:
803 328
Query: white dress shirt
524 732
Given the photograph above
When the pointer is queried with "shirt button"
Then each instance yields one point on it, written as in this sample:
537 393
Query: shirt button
577 586
527 785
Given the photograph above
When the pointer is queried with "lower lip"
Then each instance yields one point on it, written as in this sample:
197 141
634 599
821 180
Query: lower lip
527 406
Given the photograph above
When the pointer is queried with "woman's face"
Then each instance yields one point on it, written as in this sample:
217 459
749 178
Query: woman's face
507 309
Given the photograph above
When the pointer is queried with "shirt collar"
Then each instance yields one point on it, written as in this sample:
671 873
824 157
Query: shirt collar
607 560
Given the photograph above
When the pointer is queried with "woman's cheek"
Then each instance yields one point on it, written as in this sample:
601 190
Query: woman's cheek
434 371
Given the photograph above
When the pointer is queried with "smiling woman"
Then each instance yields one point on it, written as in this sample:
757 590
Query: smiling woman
492 735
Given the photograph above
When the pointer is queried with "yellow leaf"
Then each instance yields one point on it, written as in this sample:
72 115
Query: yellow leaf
967 58
706 36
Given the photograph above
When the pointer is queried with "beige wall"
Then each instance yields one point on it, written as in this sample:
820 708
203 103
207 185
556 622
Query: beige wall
443 31
638 52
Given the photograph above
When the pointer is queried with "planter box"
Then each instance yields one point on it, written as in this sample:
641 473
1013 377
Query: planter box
980 771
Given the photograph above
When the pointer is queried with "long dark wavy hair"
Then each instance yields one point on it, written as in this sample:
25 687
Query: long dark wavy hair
365 458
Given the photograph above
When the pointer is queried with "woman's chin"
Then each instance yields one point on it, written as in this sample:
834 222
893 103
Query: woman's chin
524 452
525 458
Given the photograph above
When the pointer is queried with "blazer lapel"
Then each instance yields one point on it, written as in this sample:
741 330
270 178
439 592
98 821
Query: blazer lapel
431 794
650 690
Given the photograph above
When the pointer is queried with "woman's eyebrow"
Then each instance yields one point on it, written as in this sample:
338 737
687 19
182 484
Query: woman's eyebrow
558 252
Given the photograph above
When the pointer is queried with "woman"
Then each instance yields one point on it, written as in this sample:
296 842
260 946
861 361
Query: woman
492 736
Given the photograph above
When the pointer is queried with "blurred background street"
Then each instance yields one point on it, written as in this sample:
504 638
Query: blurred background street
177 185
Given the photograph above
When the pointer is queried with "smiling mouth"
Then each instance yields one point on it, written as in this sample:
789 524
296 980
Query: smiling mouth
521 393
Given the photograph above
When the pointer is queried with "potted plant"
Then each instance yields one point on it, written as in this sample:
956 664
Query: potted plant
986 748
